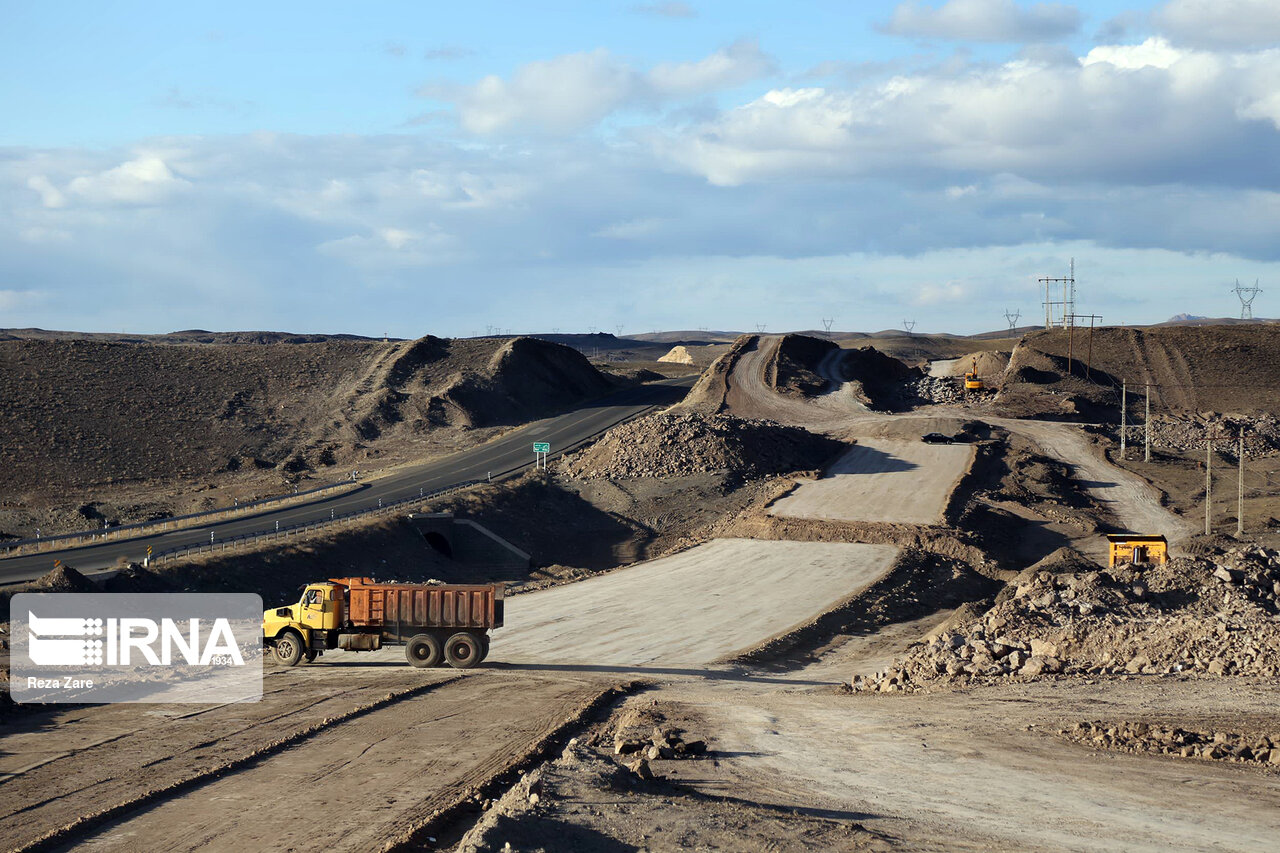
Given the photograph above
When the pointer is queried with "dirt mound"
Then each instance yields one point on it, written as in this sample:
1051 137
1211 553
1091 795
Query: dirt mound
672 444
709 392
991 366
62 579
1066 615
794 368
678 355
882 381
91 416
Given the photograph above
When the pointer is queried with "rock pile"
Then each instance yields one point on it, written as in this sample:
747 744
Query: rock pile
1066 615
1171 740
676 444
1261 434
937 389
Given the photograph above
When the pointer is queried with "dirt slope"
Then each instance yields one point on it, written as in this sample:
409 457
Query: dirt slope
81 415
1193 368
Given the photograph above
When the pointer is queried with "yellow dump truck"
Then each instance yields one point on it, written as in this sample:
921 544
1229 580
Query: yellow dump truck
436 623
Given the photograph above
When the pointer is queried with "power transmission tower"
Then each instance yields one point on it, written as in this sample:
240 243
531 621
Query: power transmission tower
760 327
1012 317
1247 295
826 324
909 325
1056 311
619 328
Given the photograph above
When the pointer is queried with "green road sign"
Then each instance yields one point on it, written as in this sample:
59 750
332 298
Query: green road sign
542 447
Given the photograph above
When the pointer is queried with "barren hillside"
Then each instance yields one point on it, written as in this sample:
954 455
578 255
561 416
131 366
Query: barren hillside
1229 368
81 417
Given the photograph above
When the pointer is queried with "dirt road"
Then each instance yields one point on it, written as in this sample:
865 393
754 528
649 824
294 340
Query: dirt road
1134 503
749 396
962 771
882 480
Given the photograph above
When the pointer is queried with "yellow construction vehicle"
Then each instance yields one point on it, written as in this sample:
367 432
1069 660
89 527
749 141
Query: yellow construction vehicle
971 380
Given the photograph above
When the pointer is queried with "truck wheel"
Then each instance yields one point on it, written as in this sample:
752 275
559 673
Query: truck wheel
463 650
289 648
423 650
311 655
484 647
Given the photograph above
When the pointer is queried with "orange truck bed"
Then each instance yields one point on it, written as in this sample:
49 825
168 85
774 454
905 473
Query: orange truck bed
388 605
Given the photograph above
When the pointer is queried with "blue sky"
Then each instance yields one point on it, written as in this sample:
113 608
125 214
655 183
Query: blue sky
436 168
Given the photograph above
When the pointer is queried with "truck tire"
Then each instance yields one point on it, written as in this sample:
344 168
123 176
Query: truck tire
463 650
311 655
423 650
289 648
484 647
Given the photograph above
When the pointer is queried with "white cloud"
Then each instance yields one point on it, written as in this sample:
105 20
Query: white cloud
50 196
984 20
1220 23
574 91
1152 53
389 247
559 95
1143 113
145 180
739 63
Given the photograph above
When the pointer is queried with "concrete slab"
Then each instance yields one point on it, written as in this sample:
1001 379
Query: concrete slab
880 479
689 608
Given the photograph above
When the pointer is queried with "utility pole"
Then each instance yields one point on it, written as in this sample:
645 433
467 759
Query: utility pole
1240 486
1146 441
1208 479
1124 416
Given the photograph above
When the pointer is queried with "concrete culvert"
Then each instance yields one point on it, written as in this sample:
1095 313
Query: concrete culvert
438 542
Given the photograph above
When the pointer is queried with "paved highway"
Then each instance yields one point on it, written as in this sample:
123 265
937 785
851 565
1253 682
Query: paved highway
498 457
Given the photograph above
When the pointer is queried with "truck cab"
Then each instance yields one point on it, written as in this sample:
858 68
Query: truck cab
302 629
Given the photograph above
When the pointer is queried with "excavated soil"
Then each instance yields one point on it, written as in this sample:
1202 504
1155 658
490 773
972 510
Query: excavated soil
672 444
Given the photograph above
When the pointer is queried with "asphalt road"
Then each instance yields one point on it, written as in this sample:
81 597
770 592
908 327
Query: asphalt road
501 456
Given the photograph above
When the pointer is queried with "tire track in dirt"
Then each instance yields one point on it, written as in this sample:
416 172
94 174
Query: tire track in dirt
385 770
57 804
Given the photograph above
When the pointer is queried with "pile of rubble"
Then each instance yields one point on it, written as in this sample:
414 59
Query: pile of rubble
1261 434
1066 615
1171 740
937 389
679 444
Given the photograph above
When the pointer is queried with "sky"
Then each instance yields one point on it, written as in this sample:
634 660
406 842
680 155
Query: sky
415 168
